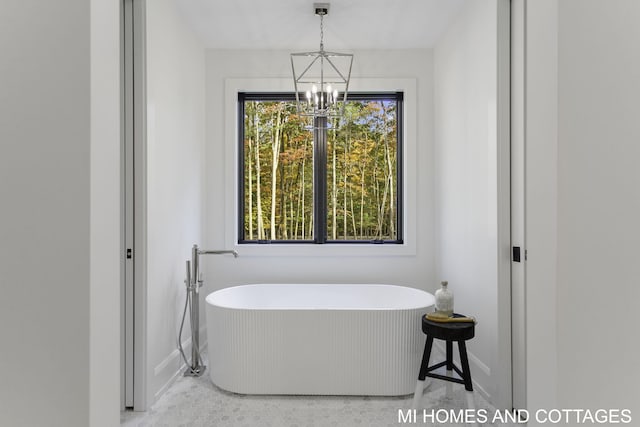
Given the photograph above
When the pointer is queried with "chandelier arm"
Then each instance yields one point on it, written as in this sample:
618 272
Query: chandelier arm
305 70
295 83
346 85
332 54
338 71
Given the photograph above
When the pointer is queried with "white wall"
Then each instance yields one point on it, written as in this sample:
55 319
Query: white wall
466 200
44 216
59 112
175 156
598 187
415 270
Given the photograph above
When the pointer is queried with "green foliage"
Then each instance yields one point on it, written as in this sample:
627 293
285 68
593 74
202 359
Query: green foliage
361 172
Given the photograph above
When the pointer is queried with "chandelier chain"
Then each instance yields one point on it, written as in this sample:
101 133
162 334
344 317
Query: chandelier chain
322 32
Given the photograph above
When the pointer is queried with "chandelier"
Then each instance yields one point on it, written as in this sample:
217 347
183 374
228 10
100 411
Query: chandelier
321 79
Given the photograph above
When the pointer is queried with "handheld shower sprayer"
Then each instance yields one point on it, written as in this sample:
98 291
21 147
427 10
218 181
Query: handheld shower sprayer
193 282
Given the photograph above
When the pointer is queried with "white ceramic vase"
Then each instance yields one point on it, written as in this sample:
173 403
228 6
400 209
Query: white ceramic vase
444 300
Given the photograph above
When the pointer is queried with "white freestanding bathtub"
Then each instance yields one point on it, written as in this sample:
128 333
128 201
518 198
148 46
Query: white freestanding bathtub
316 339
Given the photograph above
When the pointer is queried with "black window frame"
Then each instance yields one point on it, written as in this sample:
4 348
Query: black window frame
320 214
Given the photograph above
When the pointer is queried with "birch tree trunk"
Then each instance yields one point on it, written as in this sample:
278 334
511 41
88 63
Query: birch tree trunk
250 169
275 152
283 189
381 211
363 166
391 180
334 191
345 174
258 179
302 197
362 187
353 216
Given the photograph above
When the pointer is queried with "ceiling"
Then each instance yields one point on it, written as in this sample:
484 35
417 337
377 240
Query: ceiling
292 24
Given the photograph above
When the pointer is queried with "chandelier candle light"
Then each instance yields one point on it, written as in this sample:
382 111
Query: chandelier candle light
321 88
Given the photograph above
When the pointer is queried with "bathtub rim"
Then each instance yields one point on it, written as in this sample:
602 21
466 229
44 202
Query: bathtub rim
412 306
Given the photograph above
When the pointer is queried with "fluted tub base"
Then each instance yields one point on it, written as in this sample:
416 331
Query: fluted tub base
316 339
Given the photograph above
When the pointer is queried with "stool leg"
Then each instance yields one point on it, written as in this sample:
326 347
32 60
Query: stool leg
417 396
425 358
449 373
465 366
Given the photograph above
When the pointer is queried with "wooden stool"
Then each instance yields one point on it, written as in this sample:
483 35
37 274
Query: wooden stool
449 332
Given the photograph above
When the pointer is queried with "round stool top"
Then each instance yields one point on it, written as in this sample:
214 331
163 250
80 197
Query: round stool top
453 331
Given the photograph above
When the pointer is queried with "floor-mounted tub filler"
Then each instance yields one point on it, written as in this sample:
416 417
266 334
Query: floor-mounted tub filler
193 282
316 339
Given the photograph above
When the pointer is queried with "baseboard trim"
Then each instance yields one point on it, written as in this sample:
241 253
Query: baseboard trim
172 367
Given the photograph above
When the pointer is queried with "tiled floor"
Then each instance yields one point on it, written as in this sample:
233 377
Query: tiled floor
194 402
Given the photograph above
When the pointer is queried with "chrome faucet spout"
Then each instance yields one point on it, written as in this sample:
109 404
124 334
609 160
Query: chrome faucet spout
195 260
203 252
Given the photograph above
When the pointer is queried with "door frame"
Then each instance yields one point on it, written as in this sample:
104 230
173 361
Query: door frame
518 236
134 210
510 127
503 397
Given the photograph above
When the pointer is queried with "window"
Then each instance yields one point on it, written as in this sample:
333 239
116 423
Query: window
323 180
